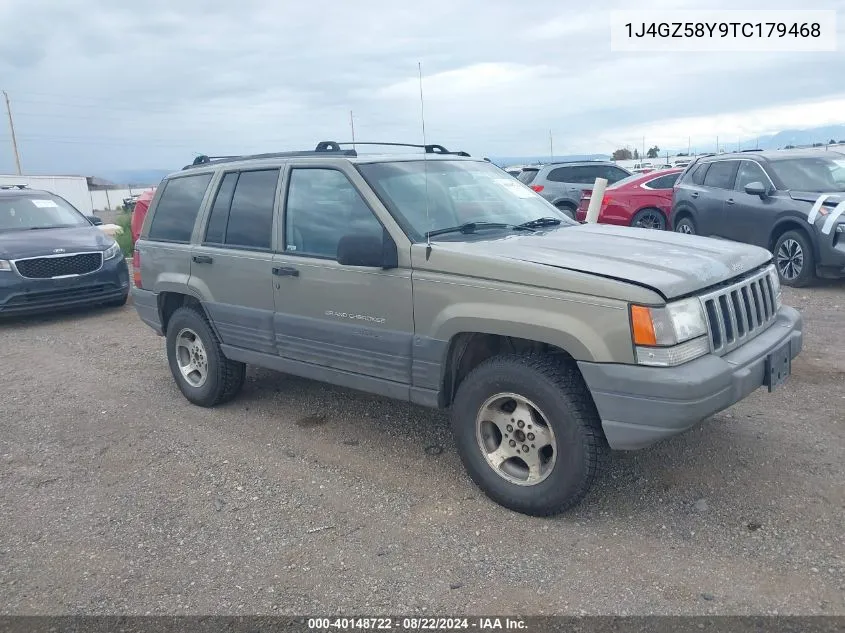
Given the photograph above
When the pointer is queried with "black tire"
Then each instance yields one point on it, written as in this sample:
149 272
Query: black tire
649 218
224 377
567 208
559 392
795 245
685 224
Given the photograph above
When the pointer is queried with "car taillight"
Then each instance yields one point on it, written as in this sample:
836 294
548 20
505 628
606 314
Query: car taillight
136 269
537 188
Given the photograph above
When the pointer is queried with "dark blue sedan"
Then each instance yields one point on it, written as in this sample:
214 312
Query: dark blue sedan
53 257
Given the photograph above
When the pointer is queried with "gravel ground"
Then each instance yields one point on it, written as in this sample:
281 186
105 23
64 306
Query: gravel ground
117 496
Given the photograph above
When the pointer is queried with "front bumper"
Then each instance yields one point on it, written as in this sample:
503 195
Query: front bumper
831 260
20 296
641 405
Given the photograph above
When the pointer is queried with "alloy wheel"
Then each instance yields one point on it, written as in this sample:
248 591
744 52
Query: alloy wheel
790 259
191 357
516 439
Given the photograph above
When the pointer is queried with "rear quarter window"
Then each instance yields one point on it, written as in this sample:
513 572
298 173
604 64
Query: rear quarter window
527 176
177 209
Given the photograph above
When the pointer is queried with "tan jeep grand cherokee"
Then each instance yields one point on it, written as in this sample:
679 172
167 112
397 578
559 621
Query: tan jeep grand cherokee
439 279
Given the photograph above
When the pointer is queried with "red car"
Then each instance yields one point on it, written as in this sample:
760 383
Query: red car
137 221
642 200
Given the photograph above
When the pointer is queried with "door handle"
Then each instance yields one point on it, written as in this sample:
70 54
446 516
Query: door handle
694 194
729 201
285 272
202 259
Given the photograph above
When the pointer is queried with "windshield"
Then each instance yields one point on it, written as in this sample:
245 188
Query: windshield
811 174
42 211
458 192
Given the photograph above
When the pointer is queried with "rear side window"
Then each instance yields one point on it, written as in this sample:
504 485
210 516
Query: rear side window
561 174
528 176
250 222
614 174
721 175
697 174
178 207
215 232
664 182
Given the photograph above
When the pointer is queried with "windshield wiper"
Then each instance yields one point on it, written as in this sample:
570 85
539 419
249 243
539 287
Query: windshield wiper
470 227
56 226
535 224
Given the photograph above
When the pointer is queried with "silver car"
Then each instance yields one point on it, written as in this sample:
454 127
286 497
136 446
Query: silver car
563 183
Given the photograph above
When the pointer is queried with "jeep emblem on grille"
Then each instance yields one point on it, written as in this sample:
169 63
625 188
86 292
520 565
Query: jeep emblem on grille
58 250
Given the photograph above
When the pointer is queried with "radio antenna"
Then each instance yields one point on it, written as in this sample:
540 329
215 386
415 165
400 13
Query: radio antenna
425 166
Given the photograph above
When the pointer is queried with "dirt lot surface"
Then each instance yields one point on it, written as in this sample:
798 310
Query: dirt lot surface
116 495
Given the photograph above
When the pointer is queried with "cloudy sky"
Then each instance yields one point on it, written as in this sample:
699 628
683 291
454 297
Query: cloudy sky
102 84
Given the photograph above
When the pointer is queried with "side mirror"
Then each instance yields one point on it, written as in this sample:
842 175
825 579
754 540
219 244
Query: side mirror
756 189
95 220
367 249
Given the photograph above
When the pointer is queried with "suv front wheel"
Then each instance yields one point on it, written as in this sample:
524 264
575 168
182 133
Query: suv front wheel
528 433
204 375
794 259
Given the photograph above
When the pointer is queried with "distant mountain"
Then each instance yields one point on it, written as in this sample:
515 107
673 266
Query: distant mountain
823 134
136 177
505 161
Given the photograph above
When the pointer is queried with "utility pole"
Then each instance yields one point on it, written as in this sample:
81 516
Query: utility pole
551 147
352 125
717 144
689 145
14 138
642 156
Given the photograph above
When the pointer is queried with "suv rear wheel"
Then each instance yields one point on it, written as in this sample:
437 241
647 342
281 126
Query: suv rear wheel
528 433
794 259
568 209
204 375
685 224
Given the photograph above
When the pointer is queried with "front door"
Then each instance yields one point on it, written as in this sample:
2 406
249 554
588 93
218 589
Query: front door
747 218
232 265
355 322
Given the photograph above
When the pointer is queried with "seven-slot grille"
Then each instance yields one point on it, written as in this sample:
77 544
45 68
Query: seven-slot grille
740 312
48 267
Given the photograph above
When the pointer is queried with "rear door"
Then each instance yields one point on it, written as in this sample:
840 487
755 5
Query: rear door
231 267
749 218
717 188
558 183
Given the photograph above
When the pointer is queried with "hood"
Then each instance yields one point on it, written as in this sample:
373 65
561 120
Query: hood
833 197
670 263
19 244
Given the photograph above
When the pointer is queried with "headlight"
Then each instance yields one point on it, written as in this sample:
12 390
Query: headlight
5 266
669 335
774 279
111 252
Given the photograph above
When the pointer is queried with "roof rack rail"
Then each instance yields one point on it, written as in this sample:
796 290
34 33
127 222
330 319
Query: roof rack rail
322 148
18 186
429 148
